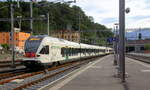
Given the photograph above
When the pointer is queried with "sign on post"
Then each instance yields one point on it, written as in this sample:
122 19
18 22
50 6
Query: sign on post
112 39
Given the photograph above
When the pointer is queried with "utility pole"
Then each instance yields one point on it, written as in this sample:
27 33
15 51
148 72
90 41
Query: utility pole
19 23
80 32
31 16
12 35
18 4
48 24
122 38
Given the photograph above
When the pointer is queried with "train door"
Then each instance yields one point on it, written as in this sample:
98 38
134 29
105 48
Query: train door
44 53
55 52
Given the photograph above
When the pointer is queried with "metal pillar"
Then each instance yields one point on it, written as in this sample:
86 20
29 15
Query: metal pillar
19 23
12 35
48 24
122 38
117 36
115 46
80 32
31 17
18 4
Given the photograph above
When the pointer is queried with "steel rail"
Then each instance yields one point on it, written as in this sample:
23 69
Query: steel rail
27 75
32 74
12 74
139 58
46 77
9 65
2 62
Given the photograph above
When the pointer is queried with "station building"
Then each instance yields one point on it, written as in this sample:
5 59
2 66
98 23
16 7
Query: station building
69 35
19 37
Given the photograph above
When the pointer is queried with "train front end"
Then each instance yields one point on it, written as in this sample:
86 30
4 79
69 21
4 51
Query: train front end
31 57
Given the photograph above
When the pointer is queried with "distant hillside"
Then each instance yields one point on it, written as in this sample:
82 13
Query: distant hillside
62 16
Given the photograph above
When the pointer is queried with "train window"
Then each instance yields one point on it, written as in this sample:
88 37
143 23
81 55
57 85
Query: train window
45 50
69 51
63 52
66 51
75 51
72 51
32 45
78 50
81 50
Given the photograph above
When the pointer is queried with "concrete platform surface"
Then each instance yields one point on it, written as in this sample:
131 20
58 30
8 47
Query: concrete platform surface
100 75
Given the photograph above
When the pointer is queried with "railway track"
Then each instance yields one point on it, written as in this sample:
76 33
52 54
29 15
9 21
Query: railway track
12 73
2 62
30 79
139 58
5 64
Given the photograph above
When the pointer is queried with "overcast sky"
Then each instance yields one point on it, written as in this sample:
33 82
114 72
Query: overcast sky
106 12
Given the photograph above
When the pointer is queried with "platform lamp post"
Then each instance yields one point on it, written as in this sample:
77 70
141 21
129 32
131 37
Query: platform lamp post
121 38
122 11
115 44
114 30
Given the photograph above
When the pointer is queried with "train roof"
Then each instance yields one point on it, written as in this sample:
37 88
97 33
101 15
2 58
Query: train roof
58 40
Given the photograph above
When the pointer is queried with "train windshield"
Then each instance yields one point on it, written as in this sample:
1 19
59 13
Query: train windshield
32 44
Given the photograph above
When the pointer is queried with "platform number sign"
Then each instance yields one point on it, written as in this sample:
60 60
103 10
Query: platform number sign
112 39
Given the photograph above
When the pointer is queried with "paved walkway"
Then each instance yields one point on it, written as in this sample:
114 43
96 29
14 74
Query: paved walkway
99 75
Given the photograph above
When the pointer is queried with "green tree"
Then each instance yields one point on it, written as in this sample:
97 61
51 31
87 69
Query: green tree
147 46
5 46
61 15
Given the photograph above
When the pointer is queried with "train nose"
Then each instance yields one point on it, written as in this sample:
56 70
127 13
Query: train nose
30 54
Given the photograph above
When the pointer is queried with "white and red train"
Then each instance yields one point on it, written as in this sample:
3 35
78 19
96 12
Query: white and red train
41 50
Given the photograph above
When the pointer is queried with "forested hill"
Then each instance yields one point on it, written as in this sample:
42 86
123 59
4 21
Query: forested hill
62 16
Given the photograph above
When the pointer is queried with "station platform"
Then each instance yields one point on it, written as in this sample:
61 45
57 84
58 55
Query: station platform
100 75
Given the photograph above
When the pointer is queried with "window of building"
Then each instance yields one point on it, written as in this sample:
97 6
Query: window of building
72 37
